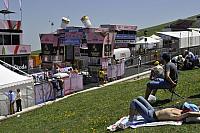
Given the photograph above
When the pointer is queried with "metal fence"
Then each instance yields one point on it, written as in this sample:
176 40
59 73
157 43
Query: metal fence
155 54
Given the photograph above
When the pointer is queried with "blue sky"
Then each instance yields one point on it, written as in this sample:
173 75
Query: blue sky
37 14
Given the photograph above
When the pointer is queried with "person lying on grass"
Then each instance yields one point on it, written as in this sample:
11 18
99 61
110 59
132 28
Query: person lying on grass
142 106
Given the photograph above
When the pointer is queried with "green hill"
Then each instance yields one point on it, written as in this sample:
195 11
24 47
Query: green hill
152 30
36 52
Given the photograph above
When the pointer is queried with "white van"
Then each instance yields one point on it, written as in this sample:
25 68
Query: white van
122 53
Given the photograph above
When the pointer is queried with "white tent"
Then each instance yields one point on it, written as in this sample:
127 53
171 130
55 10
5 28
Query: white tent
10 80
149 40
155 37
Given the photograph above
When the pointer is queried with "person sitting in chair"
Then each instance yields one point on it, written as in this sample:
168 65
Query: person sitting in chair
168 82
157 71
143 107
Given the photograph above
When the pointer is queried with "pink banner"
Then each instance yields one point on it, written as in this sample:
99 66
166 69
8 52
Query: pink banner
15 49
95 37
120 27
49 39
73 35
73 84
67 89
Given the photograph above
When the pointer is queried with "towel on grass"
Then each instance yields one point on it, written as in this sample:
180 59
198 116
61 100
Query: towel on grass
123 123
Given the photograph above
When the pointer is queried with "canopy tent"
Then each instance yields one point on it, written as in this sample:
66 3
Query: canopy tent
148 40
10 80
155 37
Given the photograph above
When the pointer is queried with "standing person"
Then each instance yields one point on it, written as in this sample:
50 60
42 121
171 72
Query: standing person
140 60
101 76
11 97
19 100
61 86
55 87
156 55
170 77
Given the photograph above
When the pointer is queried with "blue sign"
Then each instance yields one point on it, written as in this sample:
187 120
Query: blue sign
72 41
73 29
125 36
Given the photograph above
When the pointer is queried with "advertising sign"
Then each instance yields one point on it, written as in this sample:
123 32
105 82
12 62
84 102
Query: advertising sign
125 41
120 27
125 36
61 50
54 51
126 27
95 50
57 50
108 45
71 38
76 52
49 39
73 29
47 49
15 49
95 37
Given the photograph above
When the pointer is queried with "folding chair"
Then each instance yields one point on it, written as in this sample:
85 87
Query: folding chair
172 90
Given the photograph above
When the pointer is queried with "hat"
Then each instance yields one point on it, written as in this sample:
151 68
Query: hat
180 56
156 62
190 106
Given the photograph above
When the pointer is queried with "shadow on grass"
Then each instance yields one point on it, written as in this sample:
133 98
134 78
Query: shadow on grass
194 96
160 102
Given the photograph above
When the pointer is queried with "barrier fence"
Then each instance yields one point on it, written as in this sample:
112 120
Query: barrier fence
45 90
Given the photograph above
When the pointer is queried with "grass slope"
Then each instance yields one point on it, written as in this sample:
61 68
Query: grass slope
152 30
93 111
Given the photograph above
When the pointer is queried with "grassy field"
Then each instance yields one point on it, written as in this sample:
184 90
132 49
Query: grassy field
93 111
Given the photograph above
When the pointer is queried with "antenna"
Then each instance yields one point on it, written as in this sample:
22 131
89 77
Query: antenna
20 8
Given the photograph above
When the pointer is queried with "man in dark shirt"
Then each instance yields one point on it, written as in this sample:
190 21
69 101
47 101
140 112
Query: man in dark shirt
170 78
